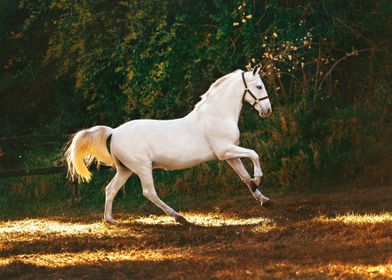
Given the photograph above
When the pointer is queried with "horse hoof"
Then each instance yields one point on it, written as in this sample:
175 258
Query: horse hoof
111 222
268 204
181 220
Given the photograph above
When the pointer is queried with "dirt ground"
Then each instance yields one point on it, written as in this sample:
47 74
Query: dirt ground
343 234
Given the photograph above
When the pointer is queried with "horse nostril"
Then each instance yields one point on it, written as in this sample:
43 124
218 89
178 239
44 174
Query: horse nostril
259 87
269 111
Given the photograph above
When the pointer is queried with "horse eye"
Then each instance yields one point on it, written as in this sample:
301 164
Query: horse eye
259 87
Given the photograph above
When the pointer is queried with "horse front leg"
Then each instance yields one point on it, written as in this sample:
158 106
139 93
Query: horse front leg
236 152
233 155
240 169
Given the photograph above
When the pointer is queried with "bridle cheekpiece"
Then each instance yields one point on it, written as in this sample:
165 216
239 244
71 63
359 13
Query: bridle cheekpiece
247 90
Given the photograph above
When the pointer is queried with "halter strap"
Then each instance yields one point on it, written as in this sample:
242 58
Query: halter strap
247 90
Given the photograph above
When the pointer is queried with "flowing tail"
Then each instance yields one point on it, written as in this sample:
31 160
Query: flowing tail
87 145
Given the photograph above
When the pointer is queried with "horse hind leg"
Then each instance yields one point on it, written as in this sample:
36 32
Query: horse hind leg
111 191
146 178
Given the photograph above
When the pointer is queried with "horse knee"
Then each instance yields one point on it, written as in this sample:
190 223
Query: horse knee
254 155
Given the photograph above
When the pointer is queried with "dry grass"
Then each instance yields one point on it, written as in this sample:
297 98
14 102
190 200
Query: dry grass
346 234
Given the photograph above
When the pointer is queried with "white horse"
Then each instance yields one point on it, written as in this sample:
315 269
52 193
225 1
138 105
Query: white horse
207 133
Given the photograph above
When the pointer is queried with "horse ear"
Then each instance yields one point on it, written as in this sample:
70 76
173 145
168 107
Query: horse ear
256 69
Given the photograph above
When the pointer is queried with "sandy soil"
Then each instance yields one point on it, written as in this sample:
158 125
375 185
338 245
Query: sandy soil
344 234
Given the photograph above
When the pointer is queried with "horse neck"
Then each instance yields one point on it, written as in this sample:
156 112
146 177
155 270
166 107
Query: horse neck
225 104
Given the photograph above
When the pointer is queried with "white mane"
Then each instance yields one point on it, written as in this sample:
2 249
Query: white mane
212 89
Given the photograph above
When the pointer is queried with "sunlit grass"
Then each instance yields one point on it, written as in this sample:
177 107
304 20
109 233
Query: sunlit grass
47 226
46 229
263 228
293 270
333 270
89 257
28 229
373 271
357 218
59 243
207 220
97 228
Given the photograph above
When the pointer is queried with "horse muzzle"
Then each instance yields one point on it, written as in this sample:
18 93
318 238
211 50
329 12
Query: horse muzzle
265 113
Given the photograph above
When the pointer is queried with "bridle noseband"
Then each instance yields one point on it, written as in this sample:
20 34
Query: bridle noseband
247 90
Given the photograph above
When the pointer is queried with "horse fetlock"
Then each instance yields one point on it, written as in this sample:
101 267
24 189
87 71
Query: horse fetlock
256 194
256 180
263 200
260 197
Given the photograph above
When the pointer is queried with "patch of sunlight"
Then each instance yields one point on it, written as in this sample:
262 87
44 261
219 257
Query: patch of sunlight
71 258
208 220
266 227
357 218
335 270
373 271
155 220
33 227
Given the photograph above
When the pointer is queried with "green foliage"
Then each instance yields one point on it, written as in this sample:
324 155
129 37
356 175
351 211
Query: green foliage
67 65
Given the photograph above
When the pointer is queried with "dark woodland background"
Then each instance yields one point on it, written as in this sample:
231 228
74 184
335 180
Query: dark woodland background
68 65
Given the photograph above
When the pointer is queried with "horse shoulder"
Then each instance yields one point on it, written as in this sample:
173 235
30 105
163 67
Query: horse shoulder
221 136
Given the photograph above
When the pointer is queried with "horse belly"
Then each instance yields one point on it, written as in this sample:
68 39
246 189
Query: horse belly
172 145
176 157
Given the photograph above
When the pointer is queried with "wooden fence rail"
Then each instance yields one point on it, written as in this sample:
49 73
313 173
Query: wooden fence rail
76 198
41 170
32 171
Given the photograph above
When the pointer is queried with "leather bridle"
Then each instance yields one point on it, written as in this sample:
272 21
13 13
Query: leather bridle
247 90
